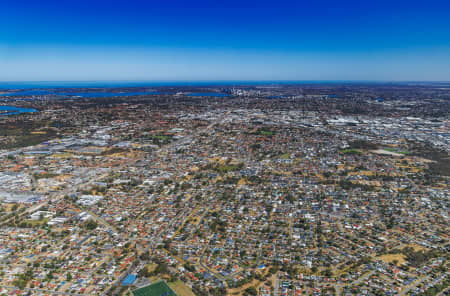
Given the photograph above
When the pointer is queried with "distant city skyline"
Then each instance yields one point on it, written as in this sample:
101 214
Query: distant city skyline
232 40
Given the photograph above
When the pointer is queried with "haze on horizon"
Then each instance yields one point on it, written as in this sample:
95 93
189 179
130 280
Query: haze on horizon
232 40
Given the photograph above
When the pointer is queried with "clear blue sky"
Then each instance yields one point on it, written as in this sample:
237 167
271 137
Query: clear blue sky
224 40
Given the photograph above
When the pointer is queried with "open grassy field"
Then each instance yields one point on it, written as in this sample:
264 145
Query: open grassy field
417 247
181 289
35 223
390 258
284 156
240 290
178 286
351 151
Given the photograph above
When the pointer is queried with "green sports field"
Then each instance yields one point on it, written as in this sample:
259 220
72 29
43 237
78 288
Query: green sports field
157 289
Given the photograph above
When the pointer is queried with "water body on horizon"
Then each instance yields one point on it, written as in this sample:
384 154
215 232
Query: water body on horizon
19 85
11 110
28 93
210 94
106 94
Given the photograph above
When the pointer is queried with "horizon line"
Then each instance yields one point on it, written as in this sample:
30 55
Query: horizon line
226 80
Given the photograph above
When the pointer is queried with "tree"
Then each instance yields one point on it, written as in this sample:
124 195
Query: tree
251 291
328 272
242 253
91 225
